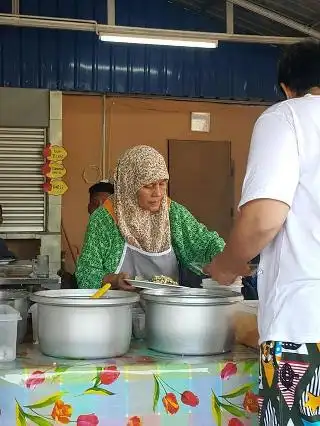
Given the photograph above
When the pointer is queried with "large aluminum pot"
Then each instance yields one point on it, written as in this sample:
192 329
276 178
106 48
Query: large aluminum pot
190 322
71 325
18 299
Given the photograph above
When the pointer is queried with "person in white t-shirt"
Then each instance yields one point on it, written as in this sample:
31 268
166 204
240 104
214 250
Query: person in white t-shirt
279 217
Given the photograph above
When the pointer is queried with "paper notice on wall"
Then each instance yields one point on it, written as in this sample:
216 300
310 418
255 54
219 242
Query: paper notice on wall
55 187
53 170
54 153
200 122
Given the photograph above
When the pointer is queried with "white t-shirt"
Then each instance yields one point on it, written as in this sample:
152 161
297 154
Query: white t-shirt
284 165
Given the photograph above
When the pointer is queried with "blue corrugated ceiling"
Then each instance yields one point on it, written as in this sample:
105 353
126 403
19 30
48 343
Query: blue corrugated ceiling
68 60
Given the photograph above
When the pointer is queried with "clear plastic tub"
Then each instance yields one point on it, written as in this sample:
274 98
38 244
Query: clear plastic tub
9 318
138 323
250 306
245 324
34 313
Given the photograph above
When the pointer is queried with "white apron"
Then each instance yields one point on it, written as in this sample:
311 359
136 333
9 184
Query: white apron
139 263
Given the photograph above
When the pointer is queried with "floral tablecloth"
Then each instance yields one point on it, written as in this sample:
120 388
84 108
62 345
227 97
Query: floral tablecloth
142 388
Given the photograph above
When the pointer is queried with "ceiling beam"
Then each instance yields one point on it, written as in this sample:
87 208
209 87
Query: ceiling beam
92 26
276 17
229 17
15 7
111 12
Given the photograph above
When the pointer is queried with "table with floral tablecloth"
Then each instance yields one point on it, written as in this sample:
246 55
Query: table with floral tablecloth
142 388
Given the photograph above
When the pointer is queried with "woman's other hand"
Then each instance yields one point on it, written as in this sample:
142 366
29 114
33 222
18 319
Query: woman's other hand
118 282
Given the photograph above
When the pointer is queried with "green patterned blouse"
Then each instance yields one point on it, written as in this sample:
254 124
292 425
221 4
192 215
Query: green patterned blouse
104 244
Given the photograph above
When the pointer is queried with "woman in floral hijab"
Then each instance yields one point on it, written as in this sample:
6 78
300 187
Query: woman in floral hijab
139 231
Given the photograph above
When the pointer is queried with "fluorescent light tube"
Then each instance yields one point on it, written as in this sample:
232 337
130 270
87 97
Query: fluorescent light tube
151 36
159 41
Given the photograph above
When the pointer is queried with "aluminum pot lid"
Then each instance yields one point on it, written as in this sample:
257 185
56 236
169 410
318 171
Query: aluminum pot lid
81 297
12 294
193 296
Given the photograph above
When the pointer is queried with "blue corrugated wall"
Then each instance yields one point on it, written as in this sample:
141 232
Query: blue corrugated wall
68 60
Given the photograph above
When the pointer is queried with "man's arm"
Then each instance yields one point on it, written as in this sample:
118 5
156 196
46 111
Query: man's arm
254 229
271 180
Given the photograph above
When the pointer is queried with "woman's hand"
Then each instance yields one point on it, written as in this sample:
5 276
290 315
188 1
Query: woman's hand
118 282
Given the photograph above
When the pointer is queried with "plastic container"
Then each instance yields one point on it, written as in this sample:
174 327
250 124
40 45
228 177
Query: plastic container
246 324
34 313
210 284
249 306
9 318
139 325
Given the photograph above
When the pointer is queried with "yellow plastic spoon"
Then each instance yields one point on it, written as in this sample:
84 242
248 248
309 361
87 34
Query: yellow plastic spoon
101 292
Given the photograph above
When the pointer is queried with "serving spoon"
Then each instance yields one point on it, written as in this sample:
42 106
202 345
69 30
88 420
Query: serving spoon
101 292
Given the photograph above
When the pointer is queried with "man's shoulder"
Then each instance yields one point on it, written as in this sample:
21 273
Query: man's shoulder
282 108
291 106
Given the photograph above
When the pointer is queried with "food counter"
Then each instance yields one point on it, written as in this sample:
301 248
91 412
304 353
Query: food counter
51 282
141 388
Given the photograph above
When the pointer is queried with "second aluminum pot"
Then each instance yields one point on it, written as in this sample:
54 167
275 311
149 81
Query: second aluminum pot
190 322
71 325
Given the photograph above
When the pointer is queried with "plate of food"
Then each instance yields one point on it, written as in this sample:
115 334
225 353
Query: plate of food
157 282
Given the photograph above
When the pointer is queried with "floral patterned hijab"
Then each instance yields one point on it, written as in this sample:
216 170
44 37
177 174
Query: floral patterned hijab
140 166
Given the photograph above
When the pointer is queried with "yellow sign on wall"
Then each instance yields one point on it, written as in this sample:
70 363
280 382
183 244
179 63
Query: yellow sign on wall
55 187
54 170
54 153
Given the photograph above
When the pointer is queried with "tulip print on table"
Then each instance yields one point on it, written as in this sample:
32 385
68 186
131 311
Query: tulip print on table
250 403
235 422
109 375
116 392
105 376
170 403
135 421
35 379
189 398
229 402
61 413
169 399
229 370
87 420
38 377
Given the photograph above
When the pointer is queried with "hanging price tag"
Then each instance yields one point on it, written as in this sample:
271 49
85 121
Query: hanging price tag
55 187
53 170
54 153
